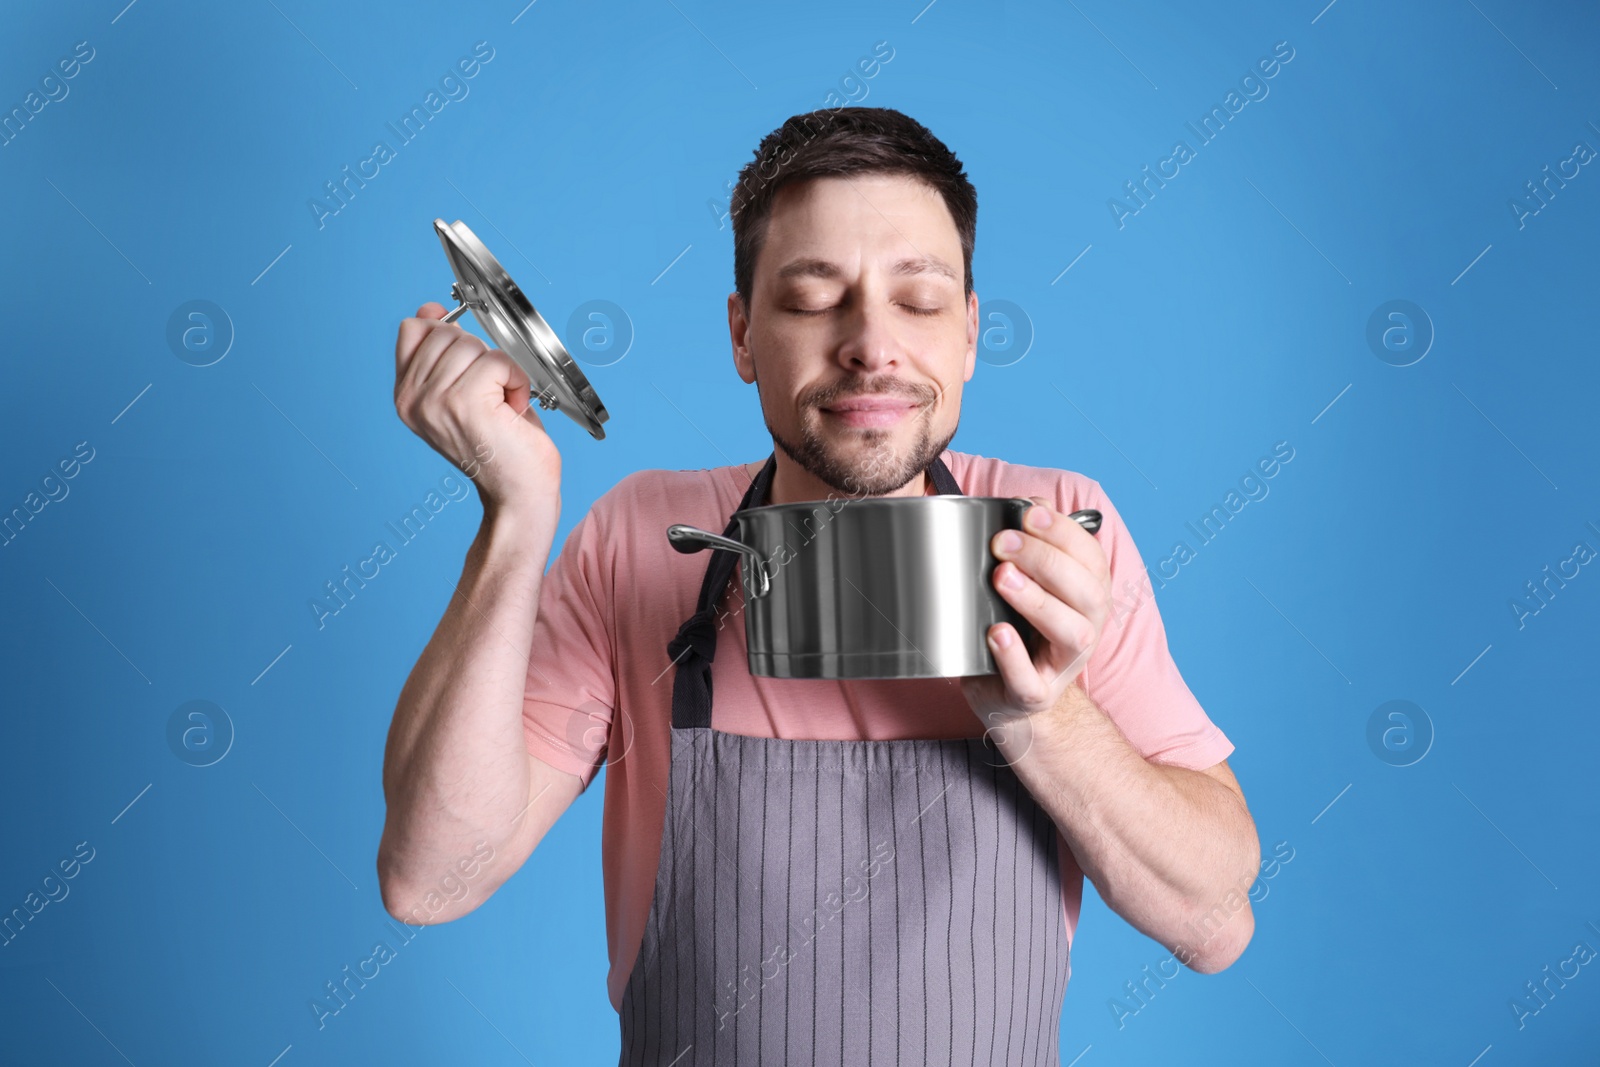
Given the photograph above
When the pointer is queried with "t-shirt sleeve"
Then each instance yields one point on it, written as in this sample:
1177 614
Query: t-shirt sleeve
1131 674
570 690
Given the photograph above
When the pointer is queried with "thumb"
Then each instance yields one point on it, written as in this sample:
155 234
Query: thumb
518 394
514 381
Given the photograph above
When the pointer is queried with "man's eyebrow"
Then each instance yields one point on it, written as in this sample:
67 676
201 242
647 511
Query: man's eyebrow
809 268
812 267
924 265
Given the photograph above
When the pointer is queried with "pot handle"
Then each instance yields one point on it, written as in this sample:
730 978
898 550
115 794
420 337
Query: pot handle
689 539
1088 518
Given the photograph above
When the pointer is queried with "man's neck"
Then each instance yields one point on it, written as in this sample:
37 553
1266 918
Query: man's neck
792 483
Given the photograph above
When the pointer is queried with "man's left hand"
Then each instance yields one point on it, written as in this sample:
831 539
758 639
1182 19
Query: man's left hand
1065 592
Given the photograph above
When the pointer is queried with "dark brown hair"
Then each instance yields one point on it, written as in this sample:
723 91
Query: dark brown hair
844 141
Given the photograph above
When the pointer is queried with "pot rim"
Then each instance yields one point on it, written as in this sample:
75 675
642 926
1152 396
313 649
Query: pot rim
939 500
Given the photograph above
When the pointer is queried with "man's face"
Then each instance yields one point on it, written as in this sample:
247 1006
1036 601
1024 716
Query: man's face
858 335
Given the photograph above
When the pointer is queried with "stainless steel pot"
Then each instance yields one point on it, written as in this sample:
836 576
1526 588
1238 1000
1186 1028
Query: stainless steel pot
882 587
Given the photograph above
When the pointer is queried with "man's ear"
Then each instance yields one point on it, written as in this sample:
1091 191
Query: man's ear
972 337
739 335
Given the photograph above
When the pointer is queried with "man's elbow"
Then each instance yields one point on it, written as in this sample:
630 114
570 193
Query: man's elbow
421 908
400 899
415 905
1231 923
1222 949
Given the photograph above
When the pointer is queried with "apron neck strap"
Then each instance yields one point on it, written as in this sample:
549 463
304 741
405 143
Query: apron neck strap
944 483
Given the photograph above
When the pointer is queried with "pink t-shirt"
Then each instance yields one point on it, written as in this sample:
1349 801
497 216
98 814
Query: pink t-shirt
599 683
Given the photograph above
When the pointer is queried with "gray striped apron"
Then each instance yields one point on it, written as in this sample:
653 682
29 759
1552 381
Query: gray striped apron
842 902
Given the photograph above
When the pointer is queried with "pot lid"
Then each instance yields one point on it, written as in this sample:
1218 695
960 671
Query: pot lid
517 329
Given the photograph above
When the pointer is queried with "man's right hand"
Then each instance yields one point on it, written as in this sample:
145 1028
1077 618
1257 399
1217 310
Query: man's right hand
470 403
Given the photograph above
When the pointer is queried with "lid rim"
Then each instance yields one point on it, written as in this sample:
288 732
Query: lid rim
516 327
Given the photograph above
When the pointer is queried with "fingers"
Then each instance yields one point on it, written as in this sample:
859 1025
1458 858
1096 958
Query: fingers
519 393
492 372
1065 534
1059 581
1046 573
1033 686
410 335
433 357
434 340
456 355
1066 632
1029 689
412 332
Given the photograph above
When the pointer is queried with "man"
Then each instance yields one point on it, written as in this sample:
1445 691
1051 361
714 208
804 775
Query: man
830 871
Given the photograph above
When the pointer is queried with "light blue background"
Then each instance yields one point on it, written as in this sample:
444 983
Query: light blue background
1227 315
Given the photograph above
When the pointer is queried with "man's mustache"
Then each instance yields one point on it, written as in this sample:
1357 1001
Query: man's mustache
889 387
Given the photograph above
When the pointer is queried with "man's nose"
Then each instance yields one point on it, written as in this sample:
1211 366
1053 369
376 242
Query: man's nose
872 341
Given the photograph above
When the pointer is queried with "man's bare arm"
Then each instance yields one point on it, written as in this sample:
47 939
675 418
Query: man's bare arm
457 775
465 799
1172 850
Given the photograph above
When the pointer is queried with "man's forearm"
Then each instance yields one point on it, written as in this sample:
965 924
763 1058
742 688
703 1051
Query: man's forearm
456 766
1164 846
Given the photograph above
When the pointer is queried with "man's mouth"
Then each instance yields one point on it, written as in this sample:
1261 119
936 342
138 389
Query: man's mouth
870 411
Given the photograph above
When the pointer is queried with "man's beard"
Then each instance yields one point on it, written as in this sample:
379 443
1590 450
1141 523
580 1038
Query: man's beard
876 465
